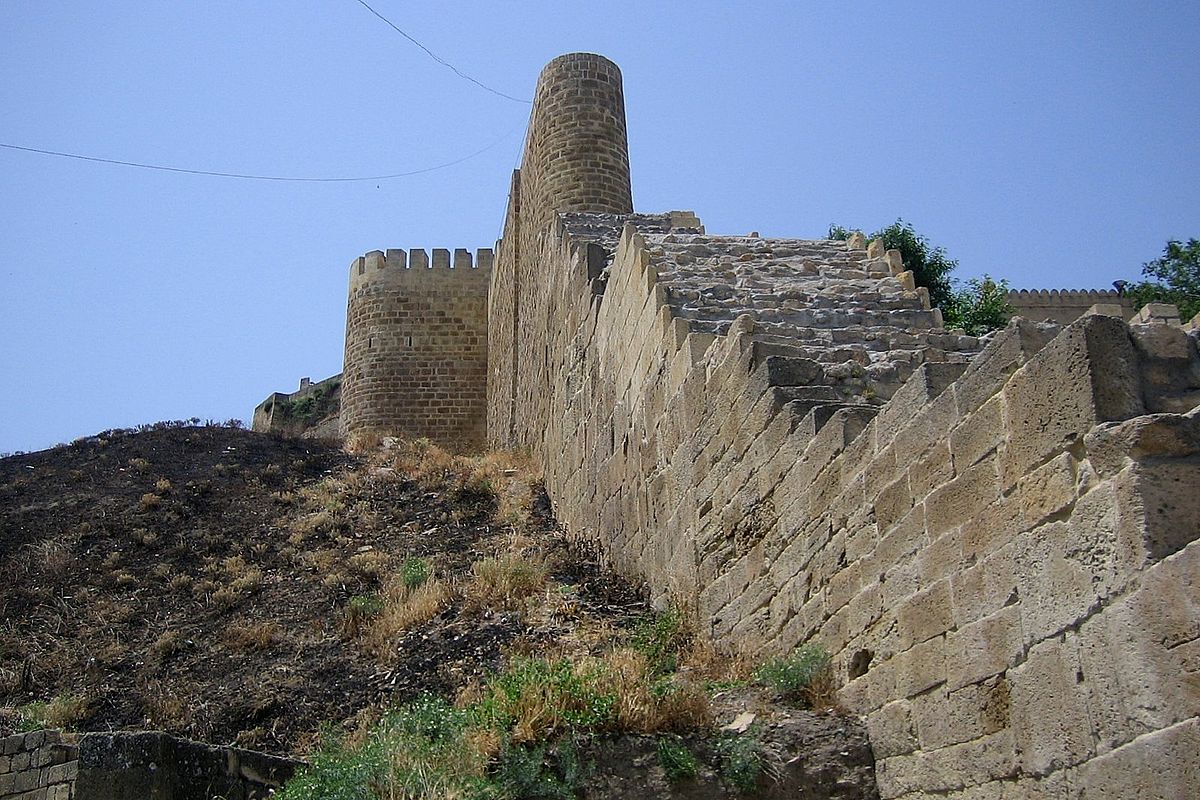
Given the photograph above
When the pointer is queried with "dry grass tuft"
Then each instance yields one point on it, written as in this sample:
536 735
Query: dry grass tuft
402 607
60 713
506 581
252 636
363 442
149 502
371 564
169 643
53 557
649 704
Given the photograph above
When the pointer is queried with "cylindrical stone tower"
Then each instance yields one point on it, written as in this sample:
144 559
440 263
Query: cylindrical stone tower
416 346
576 152
576 159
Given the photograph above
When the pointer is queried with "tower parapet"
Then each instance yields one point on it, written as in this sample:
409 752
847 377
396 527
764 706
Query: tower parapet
416 345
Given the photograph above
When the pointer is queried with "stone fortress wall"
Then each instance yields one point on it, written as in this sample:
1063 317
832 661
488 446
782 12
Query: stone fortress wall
996 539
416 345
1065 306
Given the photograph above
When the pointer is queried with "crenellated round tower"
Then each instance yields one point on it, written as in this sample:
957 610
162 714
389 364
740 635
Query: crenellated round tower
416 346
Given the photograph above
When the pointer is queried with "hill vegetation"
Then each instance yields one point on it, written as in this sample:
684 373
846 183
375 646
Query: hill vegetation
412 621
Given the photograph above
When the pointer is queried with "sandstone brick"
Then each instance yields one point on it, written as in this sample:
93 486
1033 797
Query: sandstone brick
1086 375
984 588
925 615
1161 764
922 667
880 470
1047 490
941 558
61 773
893 502
1111 446
984 648
991 528
892 730
963 497
900 542
1160 498
913 402
928 427
1062 570
978 434
898 583
864 609
1049 711
991 368
843 585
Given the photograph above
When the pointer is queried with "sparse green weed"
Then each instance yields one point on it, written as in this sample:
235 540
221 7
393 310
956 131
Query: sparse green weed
677 761
740 760
794 676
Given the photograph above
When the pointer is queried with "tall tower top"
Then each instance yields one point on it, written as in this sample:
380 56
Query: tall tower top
577 153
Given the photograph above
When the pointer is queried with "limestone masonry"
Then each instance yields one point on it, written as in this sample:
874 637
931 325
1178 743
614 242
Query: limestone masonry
995 537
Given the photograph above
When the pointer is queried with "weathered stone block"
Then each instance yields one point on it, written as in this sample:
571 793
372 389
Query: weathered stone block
931 470
927 382
892 730
1161 764
1062 571
1087 375
922 667
984 648
927 427
984 588
963 497
978 434
1047 490
991 368
1049 711
1161 499
1111 446
893 503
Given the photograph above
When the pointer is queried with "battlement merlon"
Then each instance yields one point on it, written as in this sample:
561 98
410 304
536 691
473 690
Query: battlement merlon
397 267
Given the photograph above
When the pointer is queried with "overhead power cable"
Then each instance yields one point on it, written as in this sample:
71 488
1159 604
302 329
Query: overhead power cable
441 61
251 177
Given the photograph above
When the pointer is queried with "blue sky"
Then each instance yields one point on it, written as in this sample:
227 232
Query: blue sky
1052 144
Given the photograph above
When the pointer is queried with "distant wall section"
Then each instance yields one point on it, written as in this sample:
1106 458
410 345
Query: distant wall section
416 345
1066 305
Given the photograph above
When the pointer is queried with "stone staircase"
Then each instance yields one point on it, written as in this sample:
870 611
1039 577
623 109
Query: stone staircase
849 309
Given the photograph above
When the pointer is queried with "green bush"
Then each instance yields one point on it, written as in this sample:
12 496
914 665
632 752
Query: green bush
539 698
662 639
793 675
980 307
415 572
540 772
418 751
740 760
